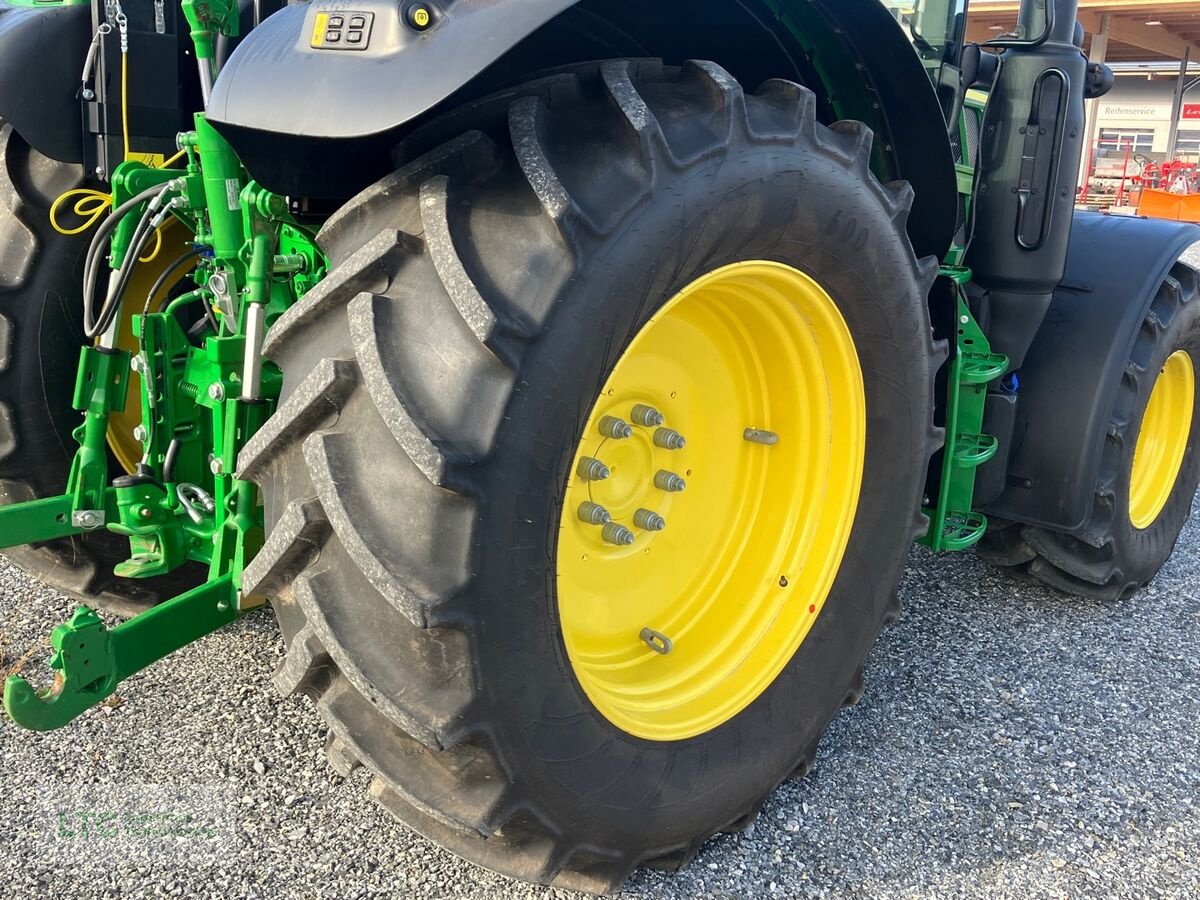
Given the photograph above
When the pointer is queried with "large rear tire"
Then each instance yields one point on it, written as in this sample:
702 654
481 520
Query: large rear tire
41 330
436 390
1149 471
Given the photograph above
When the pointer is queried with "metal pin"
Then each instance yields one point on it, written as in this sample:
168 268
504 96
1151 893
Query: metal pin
592 469
594 513
619 429
618 534
649 520
647 416
758 436
669 482
669 439
657 641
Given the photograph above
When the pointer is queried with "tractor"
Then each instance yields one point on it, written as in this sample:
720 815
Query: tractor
570 377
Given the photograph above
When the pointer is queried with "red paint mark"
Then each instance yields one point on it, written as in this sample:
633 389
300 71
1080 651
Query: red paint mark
813 608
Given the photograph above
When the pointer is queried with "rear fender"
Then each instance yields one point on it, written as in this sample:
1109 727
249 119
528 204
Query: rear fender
42 48
1069 382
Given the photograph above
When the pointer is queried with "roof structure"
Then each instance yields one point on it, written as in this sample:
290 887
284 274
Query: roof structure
1139 30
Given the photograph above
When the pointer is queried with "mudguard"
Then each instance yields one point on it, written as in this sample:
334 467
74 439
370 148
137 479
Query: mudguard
290 100
42 48
1069 382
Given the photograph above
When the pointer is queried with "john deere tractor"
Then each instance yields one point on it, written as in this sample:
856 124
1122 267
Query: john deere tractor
570 376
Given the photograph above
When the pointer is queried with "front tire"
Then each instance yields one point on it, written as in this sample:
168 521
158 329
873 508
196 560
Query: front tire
436 387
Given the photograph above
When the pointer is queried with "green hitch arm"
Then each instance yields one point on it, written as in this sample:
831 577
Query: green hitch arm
90 661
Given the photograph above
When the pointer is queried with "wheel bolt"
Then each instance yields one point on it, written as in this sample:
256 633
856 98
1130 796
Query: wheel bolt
647 416
669 439
594 513
618 534
649 520
592 469
618 429
669 482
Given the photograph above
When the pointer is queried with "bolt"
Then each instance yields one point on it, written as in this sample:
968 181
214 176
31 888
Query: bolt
222 606
592 469
87 94
618 429
657 641
618 534
758 436
669 439
88 519
135 363
216 392
647 416
145 512
669 482
649 520
593 513
140 433
216 466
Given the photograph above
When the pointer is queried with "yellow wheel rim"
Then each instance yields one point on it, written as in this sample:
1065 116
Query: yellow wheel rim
121 441
752 544
1163 441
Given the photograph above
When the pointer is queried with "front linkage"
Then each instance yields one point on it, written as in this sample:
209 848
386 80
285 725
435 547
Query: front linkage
203 395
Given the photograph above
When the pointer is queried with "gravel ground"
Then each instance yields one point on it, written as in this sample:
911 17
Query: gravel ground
1012 743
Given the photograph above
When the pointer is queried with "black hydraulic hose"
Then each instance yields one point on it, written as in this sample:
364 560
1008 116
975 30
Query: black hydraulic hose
103 233
112 301
167 274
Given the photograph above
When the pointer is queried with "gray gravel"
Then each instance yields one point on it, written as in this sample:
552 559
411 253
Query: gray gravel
1012 743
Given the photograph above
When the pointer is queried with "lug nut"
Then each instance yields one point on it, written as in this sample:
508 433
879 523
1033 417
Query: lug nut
759 436
647 416
618 534
669 439
618 429
649 520
669 482
592 469
594 513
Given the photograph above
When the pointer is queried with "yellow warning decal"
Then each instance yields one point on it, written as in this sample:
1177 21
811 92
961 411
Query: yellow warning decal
318 34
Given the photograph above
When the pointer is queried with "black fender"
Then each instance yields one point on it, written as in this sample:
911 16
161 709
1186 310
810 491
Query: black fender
42 49
320 122
1068 384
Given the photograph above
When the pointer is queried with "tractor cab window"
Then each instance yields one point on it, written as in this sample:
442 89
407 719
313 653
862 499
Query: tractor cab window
935 28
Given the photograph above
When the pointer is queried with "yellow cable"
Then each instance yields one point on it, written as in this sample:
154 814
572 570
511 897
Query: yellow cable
167 163
158 242
125 102
90 207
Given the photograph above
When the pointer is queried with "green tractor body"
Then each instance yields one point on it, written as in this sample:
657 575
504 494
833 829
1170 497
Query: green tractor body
572 378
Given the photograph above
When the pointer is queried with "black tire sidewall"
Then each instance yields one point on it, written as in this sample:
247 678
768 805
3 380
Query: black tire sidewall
781 204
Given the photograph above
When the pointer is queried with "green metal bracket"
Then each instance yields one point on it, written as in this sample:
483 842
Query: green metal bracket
954 524
90 661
